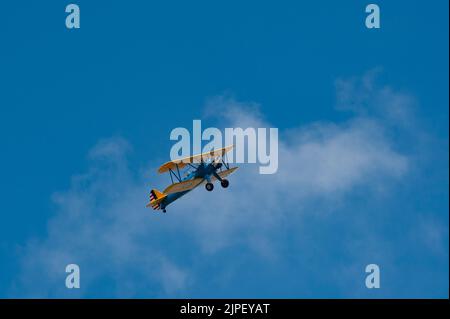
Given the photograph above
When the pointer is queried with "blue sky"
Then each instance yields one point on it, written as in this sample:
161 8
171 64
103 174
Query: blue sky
85 121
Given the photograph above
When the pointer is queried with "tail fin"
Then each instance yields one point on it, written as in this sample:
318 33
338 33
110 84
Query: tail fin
156 197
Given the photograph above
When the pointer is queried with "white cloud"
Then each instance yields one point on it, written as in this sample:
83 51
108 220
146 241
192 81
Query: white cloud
319 165
365 97
102 225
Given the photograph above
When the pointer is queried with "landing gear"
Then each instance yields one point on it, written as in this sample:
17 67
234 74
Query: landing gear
224 183
209 186
164 210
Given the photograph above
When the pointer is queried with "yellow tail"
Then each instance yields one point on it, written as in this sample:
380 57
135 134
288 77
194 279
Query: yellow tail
156 197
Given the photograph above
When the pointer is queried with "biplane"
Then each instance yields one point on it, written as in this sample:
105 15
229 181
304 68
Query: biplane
196 170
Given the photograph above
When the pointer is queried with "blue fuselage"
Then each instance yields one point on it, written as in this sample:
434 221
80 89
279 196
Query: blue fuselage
204 171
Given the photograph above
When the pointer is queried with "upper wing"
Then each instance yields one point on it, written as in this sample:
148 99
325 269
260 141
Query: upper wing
183 186
182 162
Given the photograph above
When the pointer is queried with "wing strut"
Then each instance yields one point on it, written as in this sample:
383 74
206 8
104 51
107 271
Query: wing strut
225 161
178 177
178 170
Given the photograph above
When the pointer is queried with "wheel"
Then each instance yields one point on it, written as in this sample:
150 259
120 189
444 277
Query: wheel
224 183
209 186
164 210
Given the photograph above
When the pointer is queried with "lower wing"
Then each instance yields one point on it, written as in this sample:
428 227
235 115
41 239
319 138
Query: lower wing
183 186
225 173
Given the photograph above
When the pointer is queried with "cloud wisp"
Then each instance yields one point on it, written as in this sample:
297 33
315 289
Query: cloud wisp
100 222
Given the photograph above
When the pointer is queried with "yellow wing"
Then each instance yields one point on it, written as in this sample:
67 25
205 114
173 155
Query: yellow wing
183 186
182 162
225 173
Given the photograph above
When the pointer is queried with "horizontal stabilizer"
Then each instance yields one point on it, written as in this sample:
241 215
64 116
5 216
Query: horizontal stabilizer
156 197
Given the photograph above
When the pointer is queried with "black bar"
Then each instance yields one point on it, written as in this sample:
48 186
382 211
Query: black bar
276 308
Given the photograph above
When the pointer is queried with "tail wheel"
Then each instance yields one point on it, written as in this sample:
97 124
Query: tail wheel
224 183
209 186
